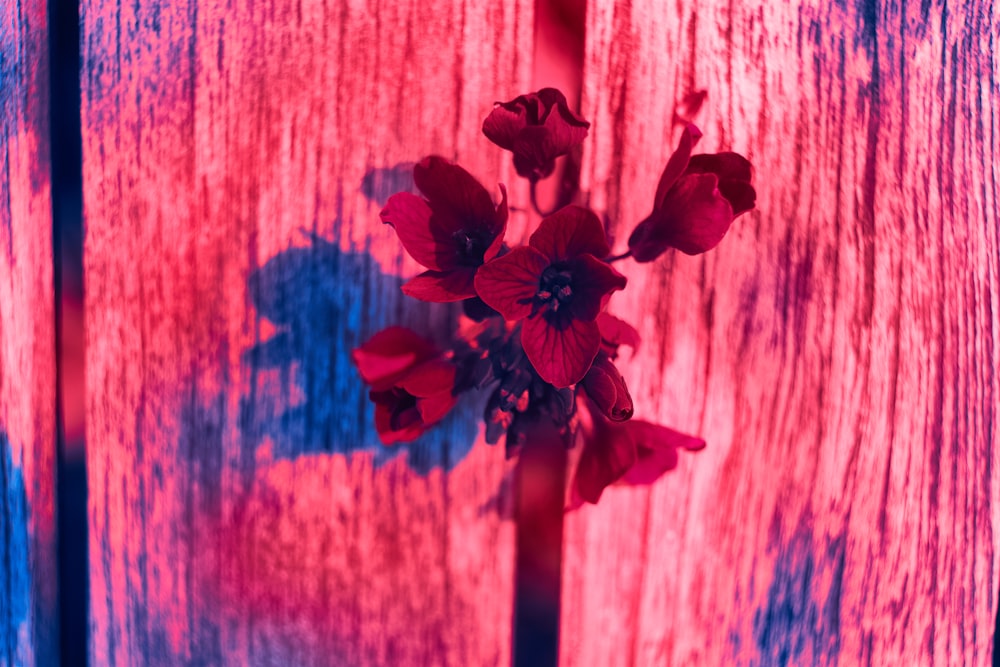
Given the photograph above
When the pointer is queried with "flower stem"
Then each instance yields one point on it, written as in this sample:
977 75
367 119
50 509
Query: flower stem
615 258
534 203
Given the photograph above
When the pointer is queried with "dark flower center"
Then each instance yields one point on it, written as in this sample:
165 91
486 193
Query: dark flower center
555 288
471 245
404 409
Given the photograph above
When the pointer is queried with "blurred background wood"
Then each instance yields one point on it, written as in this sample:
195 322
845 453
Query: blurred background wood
242 511
28 613
838 351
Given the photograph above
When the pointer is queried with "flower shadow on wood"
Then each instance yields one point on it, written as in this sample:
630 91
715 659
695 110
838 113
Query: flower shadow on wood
22 604
315 304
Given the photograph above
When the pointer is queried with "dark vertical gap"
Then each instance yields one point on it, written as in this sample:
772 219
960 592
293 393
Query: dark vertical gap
67 250
996 634
560 32
540 499
541 471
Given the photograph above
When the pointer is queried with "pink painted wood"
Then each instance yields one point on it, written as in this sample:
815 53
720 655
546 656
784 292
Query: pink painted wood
28 613
236 157
838 351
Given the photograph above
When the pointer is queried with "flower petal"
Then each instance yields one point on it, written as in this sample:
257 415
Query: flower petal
689 106
442 286
554 100
592 281
389 355
607 454
570 232
504 123
501 223
559 347
537 146
740 195
534 153
565 128
429 378
656 448
458 201
650 465
728 166
650 238
389 433
410 216
606 387
538 128
616 332
694 218
696 215
434 408
735 173
383 415
546 107
508 284
600 388
677 163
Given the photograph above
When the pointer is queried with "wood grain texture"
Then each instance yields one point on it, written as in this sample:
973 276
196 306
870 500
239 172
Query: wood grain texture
236 157
838 351
28 614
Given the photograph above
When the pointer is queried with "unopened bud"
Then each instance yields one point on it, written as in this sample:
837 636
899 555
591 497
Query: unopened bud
606 388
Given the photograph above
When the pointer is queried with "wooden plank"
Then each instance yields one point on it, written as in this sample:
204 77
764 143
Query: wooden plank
837 351
28 606
236 157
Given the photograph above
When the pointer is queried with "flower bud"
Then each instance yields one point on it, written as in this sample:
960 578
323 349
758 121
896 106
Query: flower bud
696 201
606 388
537 128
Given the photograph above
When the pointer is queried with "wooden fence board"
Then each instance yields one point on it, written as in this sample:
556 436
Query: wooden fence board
236 157
838 351
28 612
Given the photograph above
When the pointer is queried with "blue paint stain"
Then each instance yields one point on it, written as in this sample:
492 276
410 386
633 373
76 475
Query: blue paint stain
10 77
11 71
15 583
307 395
801 615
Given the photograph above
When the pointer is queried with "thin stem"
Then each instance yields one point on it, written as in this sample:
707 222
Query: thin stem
615 258
534 203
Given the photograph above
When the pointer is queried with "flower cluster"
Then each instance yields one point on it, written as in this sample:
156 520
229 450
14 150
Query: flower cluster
535 333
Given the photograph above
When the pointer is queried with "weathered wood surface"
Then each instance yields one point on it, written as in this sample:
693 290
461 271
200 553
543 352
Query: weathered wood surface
236 157
838 351
28 614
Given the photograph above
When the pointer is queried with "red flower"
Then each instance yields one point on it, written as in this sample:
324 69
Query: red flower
696 200
411 386
634 453
451 232
558 286
537 128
